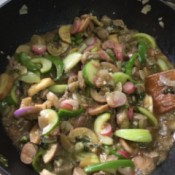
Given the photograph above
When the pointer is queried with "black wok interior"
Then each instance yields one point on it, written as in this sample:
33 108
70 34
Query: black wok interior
45 15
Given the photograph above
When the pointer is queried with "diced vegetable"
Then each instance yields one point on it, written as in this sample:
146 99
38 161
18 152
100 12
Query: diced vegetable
90 70
83 132
25 60
48 120
30 77
99 124
37 162
71 61
142 51
149 115
120 77
64 33
58 88
46 65
108 165
87 159
12 97
136 135
63 113
129 65
58 65
147 38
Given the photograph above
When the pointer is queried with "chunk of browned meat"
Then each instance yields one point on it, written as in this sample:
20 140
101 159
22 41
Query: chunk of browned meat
162 102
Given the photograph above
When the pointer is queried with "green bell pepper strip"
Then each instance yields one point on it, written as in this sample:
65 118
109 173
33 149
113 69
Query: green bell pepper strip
68 113
149 115
58 65
129 65
25 60
114 164
142 50
37 161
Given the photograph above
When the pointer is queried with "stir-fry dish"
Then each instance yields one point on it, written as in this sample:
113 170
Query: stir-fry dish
90 98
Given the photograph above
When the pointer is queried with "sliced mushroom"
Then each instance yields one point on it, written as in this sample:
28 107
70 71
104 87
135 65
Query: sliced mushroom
127 147
24 48
64 33
83 132
34 135
28 152
81 80
50 153
102 33
66 143
148 102
46 172
85 20
26 102
122 119
57 50
43 84
144 164
98 110
78 171
109 66
72 87
97 96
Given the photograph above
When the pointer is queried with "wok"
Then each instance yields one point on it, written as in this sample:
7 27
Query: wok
45 15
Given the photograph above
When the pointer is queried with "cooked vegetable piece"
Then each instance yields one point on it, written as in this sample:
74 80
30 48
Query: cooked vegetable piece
149 115
58 65
136 135
46 65
64 33
147 38
99 124
69 113
30 77
71 61
83 132
121 77
129 65
48 120
89 71
87 159
25 60
58 88
108 165
12 99
142 51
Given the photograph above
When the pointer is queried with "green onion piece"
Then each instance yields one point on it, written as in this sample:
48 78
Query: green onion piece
149 115
109 165
136 135
142 50
129 65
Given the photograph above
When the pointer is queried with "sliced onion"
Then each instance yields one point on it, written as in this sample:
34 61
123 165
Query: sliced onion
26 111
69 104
116 99
130 113
123 153
39 49
166 81
90 41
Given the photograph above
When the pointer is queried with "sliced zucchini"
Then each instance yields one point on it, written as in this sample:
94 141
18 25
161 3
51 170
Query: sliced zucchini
46 64
30 78
71 60
48 120
150 41
99 124
89 72
12 97
121 77
136 135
